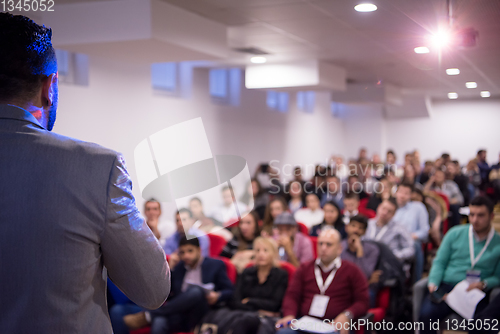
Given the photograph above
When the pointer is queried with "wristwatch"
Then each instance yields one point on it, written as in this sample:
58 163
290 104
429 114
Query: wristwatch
348 314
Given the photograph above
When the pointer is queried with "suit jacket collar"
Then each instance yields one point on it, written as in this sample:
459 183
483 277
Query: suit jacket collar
14 112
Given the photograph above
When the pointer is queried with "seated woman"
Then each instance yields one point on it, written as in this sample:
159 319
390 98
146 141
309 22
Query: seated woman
275 207
261 288
333 218
296 194
205 224
256 194
239 248
312 214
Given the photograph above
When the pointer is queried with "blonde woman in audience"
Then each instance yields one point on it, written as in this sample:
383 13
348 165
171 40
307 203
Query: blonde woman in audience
275 207
261 288
239 248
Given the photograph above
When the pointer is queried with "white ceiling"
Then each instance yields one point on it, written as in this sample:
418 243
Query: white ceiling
372 47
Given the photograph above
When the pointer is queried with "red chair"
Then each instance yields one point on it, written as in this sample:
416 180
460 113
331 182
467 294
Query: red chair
314 241
369 213
303 228
290 268
233 222
217 243
363 202
230 269
378 313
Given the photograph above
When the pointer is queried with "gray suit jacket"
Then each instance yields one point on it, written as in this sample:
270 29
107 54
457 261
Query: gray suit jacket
66 212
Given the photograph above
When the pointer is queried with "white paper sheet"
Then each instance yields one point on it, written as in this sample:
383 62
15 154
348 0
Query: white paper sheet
464 302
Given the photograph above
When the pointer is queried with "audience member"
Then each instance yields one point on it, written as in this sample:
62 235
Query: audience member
296 194
294 246
434 212
438 183
426 172
326 288
362 253
333 190
312 214
239 248
468 252
152 211
227 211
484 168
184 221
275 207
260 288
352 208
205 224
354 185
414 217
256 194
333 218
198 283
454 173
386 230
382 191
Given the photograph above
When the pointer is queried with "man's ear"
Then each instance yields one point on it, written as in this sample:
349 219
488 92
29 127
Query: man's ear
48 90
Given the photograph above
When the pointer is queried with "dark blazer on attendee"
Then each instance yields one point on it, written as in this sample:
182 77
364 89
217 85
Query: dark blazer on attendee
212 271
266 296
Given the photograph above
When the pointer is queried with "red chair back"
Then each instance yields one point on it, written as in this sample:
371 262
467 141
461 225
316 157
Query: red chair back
303 228
314 241
217 243
233 222
290 268
230 269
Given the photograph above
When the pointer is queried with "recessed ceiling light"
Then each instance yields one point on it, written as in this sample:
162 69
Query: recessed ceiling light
258 60
471 84
365 7
452 96
421 49
452 71
485 93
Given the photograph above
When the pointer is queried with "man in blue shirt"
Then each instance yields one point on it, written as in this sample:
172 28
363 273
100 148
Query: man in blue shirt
184 220
415 218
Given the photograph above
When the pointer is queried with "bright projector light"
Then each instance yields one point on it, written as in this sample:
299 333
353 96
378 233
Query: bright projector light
421 49
365 7
485 93
452 96
258 60
452 71
471 84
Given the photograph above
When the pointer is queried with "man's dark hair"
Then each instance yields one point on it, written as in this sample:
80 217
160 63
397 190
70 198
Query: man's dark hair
184 210
195 199
481 151
392 200
351 195
482 200
27 57
391 152
456 163
407 185
193 241
360 219
445 156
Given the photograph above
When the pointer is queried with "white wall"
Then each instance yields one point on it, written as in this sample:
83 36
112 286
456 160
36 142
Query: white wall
119 109
460 128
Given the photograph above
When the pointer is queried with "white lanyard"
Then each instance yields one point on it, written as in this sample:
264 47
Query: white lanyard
319 279
379 234
473 260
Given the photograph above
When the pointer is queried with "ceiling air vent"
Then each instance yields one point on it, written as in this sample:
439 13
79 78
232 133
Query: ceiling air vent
251 50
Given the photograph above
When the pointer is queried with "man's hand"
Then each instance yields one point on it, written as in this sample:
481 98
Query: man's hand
213 297
355 245
375 277
343 319
244 301
284 322
432 288
136 320
173 259
477 285
285 242
414 236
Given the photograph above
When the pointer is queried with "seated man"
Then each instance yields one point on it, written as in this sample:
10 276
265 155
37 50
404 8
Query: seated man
386 230
456 261
190 297
362 253
333 190
326 288
415 218
352 208
228 209
294 246
184 220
